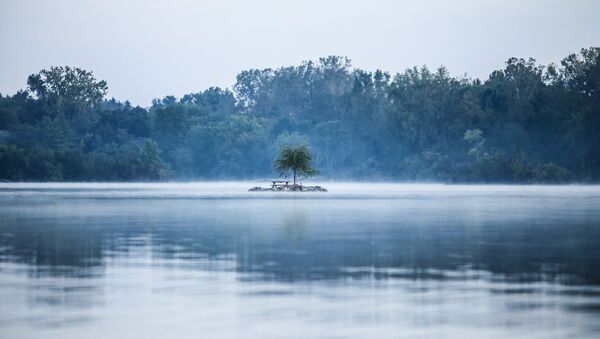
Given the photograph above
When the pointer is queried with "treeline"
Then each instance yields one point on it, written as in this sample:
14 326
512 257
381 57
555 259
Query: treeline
525 123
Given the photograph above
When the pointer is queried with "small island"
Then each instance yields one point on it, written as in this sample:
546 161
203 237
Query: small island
298 161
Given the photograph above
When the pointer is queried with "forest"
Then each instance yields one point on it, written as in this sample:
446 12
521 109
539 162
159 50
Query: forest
525 123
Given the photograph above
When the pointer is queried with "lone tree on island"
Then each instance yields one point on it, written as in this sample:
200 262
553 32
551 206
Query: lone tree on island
296 159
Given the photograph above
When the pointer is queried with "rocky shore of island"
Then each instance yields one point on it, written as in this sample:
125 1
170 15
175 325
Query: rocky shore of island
285 186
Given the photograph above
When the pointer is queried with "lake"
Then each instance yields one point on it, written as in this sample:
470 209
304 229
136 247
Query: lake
211 260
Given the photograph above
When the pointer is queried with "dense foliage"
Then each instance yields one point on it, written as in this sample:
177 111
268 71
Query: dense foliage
525 123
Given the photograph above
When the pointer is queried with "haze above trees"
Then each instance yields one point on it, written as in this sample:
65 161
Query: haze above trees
525 123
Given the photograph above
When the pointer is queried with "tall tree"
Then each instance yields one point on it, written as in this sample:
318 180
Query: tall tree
67 88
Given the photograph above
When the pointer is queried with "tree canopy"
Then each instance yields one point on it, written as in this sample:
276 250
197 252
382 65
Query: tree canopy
525 123
295 159
63 88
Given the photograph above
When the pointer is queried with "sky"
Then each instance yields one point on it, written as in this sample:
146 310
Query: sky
149 49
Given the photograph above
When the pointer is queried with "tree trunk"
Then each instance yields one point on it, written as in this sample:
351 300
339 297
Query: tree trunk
294 179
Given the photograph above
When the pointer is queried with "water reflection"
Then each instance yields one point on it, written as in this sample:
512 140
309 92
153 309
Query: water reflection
406 260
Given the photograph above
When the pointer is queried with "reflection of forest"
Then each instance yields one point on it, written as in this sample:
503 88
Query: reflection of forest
295 240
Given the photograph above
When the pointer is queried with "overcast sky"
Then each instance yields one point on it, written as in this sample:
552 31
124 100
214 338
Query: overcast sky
146 49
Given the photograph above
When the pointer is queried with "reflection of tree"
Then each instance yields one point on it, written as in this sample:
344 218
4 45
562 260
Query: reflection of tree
54 249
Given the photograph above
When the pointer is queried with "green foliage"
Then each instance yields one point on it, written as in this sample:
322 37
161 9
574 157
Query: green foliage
12 163
296 159
475 138
526 123
66 84
552 173
149 165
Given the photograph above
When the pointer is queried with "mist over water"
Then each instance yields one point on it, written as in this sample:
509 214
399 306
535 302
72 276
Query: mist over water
363 260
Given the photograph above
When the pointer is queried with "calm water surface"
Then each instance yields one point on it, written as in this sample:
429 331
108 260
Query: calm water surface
363 260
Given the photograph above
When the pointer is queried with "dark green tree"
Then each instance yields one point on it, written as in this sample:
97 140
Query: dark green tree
66 88
296 159
149 164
